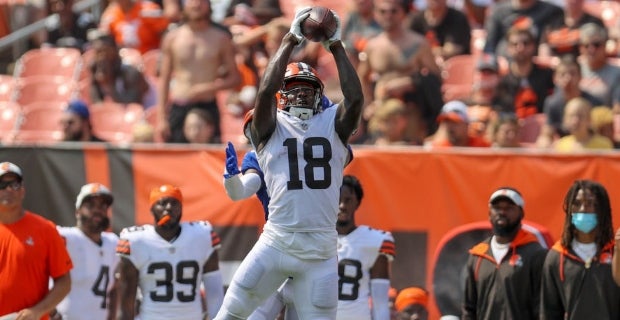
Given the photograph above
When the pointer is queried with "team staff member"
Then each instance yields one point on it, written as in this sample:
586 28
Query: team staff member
503 271
31 252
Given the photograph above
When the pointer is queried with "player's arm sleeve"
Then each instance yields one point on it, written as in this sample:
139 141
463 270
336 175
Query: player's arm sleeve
379 288
388 247
242 186
214 291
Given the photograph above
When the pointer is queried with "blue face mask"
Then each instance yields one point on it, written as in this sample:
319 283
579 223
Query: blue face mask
584 221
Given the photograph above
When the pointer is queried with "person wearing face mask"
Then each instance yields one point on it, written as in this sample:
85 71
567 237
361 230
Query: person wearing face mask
503 271
577 281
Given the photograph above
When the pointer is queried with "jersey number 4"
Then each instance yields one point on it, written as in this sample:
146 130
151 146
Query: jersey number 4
100 287
312 162
186 272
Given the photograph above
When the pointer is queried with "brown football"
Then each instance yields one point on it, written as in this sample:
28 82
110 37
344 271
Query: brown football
320 25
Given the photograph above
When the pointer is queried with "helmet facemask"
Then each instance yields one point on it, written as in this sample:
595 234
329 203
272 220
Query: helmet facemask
301 83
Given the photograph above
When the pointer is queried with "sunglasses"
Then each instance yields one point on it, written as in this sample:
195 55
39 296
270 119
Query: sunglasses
12 184
594 45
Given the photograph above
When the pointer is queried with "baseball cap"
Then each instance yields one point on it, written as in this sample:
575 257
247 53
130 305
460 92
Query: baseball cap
79 108
92 190
454 111
505 193
8 167
409 296
487 62
165 191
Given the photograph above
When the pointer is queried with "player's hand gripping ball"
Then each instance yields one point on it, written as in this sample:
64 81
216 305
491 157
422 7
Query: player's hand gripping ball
320 25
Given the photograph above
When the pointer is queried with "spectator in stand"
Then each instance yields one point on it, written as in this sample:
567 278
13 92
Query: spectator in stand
199 127
359 27
199 59
504 131
526 86
75 123
446 29
399 63
561 35
566 78
602 119
389 123
598 77
578 126
113 80
453 128
32 252
412 303
577 281
534 14
252 12
72 28
137 24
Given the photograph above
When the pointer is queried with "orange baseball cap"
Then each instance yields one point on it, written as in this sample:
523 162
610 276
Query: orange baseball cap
165 191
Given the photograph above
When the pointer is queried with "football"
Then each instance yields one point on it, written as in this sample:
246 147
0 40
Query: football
320 25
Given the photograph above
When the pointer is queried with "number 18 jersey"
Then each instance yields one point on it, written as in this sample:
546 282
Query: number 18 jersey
302 164
170 272
92 274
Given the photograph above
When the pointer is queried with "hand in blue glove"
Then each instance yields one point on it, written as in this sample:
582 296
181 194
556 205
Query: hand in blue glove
232 168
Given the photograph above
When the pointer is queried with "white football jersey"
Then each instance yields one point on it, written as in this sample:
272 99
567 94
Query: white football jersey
170 272
357 253
92 274
302 164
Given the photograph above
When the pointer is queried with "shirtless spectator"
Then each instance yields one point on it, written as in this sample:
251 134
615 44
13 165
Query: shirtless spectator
536 14
399 63
137 24
598 77
198 60
446 29
359 27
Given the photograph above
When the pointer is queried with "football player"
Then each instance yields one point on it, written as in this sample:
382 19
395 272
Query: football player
168 261
92 251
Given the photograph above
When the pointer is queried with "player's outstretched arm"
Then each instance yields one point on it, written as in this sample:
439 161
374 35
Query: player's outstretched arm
127 288
239 186
350 109
264 122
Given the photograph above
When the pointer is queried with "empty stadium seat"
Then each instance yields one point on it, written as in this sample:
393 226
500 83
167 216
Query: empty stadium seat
150 63
40 125
44 88
114 122
459 69
7 84
9 120
64 62
608 11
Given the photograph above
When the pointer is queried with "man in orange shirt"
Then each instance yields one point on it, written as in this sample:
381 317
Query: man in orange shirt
31 252
134 24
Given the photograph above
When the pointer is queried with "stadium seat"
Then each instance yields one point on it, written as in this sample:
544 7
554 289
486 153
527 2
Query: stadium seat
64 62
478 40
131 56
459 70
40 125
58 105
456 91
44 88
114 122
9 120
530 127
7 83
